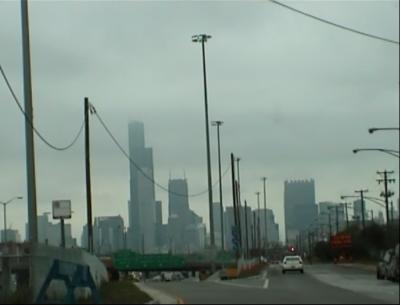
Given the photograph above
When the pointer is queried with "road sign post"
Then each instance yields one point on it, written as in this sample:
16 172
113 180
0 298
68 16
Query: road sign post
62 210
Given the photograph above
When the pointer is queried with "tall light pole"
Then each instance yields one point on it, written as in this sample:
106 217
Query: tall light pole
264 179
238 201
347 216
218 124
202 38
5 214
258 221
372 130
392 152
29 138
386 193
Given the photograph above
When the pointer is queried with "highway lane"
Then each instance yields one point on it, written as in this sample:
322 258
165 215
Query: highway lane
275 288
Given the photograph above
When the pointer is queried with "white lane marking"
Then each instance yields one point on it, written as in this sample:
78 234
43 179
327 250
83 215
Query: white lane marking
266 284
236 285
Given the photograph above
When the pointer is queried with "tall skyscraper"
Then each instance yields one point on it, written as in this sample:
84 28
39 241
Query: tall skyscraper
142 214
300 207
178 204
185 228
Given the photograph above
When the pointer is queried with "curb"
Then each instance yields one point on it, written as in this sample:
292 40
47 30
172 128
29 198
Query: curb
158 296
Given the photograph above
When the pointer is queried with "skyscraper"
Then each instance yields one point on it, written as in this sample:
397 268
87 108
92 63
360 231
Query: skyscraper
185 228
108 234
357 211
300 207
217 224
142 215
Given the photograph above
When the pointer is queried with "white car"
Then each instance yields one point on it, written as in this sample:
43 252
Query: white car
292 263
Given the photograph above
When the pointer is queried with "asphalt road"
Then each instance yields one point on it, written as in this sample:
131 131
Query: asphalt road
313 286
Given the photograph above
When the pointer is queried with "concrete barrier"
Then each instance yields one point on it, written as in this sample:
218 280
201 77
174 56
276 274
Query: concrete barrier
41 260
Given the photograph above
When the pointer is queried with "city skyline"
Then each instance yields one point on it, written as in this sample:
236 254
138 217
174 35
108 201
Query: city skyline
127 73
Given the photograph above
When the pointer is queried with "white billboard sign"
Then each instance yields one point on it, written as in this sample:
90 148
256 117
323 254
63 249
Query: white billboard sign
61 209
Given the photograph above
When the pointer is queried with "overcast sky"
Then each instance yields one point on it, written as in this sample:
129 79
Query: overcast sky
296 96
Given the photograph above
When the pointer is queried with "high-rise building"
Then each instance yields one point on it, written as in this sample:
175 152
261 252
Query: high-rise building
229 222
300 207
381 219
12 235
357 211
327 210
185 228
142 213
108 235
178 211
50 233
272 227
217 224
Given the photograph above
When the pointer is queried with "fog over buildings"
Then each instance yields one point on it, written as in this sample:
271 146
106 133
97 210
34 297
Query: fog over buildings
296 97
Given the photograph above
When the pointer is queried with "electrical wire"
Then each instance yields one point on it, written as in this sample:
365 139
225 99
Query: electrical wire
124 152
334 24
31 123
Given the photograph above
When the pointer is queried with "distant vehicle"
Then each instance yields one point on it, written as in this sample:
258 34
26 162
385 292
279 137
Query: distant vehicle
167 276
382 269
292 263
228 273
157 278
177 276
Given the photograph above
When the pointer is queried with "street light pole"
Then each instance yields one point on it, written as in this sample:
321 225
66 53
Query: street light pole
372 130
337 219
264 179
258 221
5 214
29 138
392 152
218 124
239 202
202 38
347 216
386 193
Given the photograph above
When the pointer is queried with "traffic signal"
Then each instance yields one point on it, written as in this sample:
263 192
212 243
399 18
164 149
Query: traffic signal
291 249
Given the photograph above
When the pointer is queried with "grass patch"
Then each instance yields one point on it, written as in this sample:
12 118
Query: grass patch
121 292
22 296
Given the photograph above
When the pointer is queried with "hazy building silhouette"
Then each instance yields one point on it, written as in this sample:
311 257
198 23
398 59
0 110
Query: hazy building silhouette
50 233
185 228
229 222
142 214
300 207
357 211
326 208
272 227
12 235
108 234
217 224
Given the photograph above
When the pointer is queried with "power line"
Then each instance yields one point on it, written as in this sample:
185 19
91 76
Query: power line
123 151
334 24
31 123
